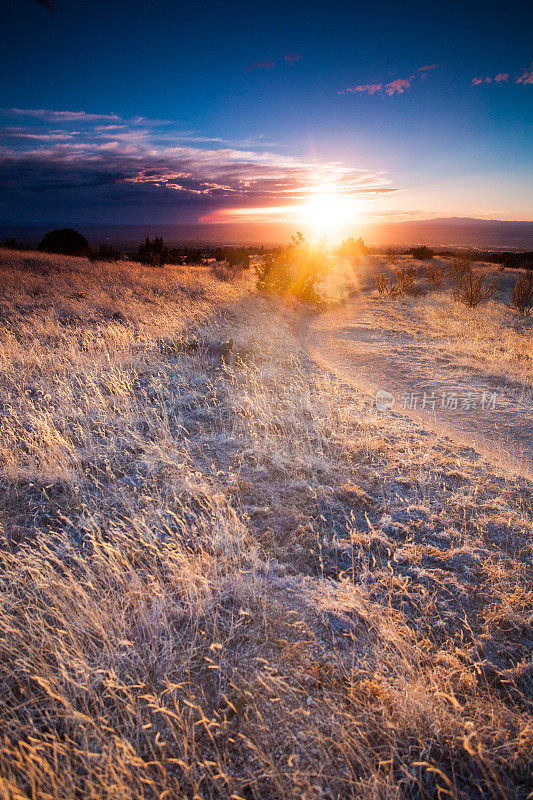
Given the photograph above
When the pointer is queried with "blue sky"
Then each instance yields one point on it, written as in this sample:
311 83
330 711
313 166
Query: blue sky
133 111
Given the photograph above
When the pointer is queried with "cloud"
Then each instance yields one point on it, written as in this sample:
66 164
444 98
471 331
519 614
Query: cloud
503 77
390 88
365 88
526 76
133 168
291 57
60 116
260 65
399 86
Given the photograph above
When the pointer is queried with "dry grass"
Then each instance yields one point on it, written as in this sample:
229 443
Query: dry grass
237 580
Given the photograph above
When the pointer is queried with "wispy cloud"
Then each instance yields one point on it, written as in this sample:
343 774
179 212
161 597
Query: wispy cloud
59 116
291 57
390 88
260 65
136 165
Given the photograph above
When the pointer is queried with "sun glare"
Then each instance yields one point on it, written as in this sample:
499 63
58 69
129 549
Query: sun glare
329 214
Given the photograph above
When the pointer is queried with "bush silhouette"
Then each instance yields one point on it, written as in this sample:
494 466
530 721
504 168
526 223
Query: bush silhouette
105 252
66 241
13 243
421 253
153 252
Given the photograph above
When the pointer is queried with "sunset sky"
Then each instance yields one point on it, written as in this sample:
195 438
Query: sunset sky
234 112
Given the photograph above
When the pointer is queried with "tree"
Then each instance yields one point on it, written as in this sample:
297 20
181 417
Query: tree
66 241
153 252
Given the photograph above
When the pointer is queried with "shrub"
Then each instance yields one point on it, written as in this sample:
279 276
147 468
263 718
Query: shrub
459 267
353 248
223 271
153 252
471 289
12 243
405 280
421 253
105 252
294 272
434 275
66 241
382 282
238 257
522 296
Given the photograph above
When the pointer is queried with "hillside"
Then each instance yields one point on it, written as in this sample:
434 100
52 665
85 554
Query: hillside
225 574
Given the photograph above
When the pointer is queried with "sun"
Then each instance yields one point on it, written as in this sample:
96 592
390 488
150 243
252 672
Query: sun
329 214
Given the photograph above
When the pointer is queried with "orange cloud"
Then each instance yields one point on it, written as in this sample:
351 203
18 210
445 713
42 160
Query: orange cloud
526 76
399 86
366 88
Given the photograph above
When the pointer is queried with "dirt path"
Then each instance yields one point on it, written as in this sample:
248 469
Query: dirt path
428 384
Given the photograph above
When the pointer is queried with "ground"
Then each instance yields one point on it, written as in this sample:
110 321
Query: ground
225 573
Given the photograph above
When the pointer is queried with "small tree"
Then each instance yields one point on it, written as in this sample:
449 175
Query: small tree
66 241
522 296
294 272
153 252
471 289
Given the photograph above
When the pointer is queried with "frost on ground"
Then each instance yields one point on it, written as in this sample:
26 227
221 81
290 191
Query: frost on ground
227 575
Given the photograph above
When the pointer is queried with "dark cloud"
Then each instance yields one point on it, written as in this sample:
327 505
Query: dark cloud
133 166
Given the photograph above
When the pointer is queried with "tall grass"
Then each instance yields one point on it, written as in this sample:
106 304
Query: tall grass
239 581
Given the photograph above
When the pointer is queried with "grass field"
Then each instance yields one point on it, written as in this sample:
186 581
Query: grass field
226 575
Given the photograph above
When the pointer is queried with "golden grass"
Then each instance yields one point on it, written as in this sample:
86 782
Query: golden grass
237 581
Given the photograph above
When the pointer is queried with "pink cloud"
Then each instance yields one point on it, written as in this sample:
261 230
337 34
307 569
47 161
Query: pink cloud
425 69
501 77
477 81
399 86
366 88
291 57
526 76
260 65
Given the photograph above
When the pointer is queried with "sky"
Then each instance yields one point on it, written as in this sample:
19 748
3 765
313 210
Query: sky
231 112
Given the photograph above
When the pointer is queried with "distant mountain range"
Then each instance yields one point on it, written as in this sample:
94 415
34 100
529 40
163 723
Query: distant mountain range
444 232
455 232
